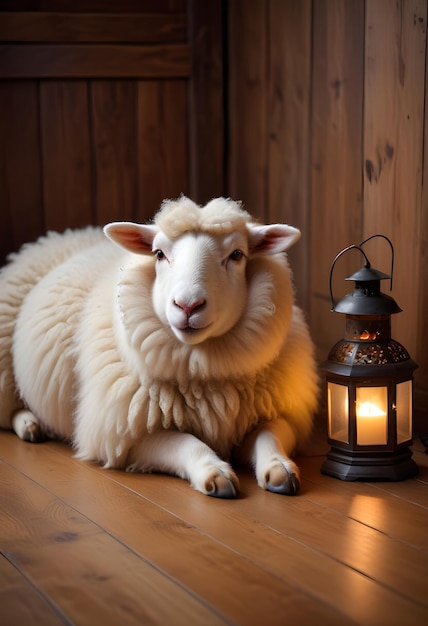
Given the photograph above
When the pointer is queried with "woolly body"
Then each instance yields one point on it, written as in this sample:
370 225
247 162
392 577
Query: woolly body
86 345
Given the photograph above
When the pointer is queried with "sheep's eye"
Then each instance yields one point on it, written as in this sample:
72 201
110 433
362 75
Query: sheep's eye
159 255
236 255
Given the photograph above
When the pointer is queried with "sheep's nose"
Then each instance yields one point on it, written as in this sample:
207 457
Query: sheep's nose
190 308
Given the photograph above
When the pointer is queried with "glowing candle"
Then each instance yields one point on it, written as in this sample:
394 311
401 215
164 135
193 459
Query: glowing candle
371 424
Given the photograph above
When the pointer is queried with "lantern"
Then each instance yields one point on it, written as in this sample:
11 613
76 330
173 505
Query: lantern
369 378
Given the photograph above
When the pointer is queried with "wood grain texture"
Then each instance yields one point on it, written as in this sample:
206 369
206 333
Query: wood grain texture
162 143
21 603
206 102
290 560
421 416
65 146
93 61
114 150
337 126
312 558
105 580
81 27
208 568
393 146
95 6
20 166
288 124
247 103
103 147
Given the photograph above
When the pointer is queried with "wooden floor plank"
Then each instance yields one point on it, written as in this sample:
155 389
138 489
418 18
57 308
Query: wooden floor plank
350 542
21 603
298 533
362 548
275 547
92 577
221 577
416 489
285 545
363 502
306 520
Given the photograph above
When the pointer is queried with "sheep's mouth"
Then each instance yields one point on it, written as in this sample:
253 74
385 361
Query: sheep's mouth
191 334
193 330
189 330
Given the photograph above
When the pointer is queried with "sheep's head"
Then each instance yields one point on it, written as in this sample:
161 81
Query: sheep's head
201 257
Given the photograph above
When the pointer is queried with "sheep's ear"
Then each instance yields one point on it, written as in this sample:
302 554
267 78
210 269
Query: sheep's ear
136 238
271 238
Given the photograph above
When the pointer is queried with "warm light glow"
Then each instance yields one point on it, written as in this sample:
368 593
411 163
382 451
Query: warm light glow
370 510
368 409
338 418
404 411
371 414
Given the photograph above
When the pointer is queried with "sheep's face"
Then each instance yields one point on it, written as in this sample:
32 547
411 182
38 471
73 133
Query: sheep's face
200 290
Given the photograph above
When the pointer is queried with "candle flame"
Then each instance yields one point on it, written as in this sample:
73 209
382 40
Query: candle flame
368 409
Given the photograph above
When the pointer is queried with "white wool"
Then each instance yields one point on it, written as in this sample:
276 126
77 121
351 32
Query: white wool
96 364
221 215
17 279
249 346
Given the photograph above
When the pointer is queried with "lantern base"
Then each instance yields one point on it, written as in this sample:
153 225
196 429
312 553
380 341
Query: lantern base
370 466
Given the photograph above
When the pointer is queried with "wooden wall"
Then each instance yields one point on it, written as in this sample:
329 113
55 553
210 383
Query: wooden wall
99 103
328 128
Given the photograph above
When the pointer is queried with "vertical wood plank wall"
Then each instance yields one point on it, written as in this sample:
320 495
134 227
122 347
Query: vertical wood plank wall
269 64
328 127
394 94
84 100
95 102
336 215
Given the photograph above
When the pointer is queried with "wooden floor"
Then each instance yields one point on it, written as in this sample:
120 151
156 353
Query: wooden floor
82 545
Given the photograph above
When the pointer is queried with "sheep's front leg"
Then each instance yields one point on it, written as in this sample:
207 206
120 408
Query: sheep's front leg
27 426
267 449
187 457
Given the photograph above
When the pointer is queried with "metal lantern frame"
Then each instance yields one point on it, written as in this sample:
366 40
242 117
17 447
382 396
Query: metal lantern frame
369 383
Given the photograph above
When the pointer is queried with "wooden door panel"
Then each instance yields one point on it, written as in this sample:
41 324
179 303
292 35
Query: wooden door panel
92 27
65 144
96 6
20 159
162 153
89 61
101 111
114 150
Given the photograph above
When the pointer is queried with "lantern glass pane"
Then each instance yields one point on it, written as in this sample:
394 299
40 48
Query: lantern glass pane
372 416
338 412
404 411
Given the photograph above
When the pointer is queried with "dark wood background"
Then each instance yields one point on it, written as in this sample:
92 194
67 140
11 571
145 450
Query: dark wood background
313 112
95 111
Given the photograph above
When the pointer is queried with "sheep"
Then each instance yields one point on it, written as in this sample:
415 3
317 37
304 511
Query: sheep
173 346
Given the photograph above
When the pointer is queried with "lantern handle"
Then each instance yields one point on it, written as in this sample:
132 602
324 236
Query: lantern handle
337 257
392 253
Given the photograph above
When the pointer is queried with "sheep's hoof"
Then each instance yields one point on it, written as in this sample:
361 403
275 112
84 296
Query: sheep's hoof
222 487
282 481
27 427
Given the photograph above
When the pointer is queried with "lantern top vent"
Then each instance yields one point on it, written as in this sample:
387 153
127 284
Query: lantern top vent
367 273
367 298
